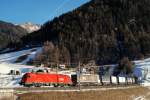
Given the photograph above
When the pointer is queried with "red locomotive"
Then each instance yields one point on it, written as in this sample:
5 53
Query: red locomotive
45 79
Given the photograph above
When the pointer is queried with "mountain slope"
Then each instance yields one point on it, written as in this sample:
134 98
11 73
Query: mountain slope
101 30
10 33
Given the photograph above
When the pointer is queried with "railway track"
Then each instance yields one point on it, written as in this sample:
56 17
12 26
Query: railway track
69 87
22 90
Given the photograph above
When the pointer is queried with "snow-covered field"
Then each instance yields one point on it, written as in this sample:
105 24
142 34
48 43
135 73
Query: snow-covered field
13 56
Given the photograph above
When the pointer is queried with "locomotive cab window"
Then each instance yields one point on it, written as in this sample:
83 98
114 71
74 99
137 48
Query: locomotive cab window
26 76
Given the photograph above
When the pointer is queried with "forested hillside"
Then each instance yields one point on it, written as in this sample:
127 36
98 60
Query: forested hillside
10 34
101 30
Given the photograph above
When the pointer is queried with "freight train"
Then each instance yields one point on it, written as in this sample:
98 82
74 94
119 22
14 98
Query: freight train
45 79
48 79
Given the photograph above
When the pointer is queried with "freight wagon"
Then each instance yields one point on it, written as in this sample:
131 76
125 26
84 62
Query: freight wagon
85 79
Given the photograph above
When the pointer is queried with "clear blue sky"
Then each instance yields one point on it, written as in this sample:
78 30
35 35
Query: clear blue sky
36 11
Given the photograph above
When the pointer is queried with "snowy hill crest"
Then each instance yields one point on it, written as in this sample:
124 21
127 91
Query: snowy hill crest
30 27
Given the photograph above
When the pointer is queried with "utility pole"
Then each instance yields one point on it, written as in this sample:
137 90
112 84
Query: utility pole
79 76
80 64
57 73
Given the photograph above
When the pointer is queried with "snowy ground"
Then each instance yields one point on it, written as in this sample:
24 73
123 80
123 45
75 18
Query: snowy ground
142 70
13 56
9 81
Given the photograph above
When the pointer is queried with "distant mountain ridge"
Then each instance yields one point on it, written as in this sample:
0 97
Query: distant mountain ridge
100 30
